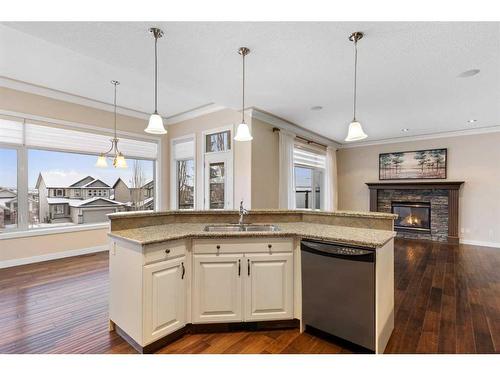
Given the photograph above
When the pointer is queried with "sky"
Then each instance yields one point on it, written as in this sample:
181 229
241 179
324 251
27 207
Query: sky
76 166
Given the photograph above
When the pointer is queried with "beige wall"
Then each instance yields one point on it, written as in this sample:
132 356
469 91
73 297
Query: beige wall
22 102
265 165
474 159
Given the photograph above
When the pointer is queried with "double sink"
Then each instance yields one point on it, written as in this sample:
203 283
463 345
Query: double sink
242 228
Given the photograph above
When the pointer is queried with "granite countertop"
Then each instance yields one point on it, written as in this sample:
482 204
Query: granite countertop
132 214
346 235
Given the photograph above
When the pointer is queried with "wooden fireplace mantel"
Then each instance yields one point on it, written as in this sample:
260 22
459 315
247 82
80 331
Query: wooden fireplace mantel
452 187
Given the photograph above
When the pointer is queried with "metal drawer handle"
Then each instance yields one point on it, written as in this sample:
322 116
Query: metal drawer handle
248 264
218 247
269 246
167 251
239 267
183 270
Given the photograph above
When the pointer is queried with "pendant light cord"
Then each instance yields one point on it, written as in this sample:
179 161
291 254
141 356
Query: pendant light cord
156 74
115 84
243 94
355 75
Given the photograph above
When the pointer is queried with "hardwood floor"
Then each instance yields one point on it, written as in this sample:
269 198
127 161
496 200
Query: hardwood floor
447 301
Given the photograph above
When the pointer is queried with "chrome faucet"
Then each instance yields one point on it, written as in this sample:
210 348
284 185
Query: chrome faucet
243 212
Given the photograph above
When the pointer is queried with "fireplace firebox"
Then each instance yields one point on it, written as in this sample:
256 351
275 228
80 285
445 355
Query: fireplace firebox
412 216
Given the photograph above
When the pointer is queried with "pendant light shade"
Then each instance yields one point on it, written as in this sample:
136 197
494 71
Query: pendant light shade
155 124
243 131
113 151
120 162
101 162
355 131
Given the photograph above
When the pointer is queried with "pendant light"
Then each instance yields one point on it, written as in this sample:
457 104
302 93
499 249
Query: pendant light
118 158
355 132
243 132
155 125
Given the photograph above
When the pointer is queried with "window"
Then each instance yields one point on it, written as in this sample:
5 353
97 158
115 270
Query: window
218 142
8 189
218 170
185 184
309 170
59 184
183 173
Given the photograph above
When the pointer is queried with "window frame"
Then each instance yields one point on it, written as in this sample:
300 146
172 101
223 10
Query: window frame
322 183
220 156
174 183
23 229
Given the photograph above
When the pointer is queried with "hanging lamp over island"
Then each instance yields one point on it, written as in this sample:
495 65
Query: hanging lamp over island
355 131
118 158
155 124
243 131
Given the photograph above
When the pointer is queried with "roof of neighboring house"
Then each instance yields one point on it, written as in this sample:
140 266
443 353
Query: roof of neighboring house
7 192
82 202
129 184
61 180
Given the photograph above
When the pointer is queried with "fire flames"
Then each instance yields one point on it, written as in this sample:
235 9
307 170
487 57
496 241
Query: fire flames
412 220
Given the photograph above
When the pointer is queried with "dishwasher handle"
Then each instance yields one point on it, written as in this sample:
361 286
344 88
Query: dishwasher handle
338 251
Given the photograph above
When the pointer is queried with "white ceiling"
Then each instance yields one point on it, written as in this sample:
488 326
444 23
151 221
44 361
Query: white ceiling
407 72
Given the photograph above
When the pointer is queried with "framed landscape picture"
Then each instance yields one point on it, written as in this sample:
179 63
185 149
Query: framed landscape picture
422 164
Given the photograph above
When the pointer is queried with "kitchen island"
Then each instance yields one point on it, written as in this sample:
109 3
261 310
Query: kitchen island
170 276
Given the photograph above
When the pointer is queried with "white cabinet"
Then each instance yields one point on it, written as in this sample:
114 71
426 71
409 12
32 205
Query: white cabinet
245 286
216 288
269 287
164 298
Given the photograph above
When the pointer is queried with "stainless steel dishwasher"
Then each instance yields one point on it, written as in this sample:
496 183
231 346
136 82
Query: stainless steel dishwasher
338 290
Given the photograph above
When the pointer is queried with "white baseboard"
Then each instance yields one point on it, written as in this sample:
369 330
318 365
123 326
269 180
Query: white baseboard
52 256
480 243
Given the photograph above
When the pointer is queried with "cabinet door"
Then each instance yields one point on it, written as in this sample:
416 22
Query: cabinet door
217 288
164 298
268 286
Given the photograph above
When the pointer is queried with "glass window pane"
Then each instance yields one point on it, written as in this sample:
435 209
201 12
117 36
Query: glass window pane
185 184
218 142
68 189
318 183
303 187
216 185
8 189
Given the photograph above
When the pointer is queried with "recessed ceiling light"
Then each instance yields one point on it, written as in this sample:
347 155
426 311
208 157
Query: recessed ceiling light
469 73
471 121
316 108
405 130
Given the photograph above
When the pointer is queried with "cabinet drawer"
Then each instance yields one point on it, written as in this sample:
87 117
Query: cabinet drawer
242 245
164 251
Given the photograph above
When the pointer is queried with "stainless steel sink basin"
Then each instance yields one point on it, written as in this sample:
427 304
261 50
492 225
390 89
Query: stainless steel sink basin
242 228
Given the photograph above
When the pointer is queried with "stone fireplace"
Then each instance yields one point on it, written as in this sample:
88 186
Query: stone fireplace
426 210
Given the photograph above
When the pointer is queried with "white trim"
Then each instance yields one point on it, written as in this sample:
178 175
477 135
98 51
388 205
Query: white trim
480 243
193 113
52 256
55 230
291 127
451 134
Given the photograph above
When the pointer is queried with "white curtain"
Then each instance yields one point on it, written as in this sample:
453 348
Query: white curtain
286 172
331 179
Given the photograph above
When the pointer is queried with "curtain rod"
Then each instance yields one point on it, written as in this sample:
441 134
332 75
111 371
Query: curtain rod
308 141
